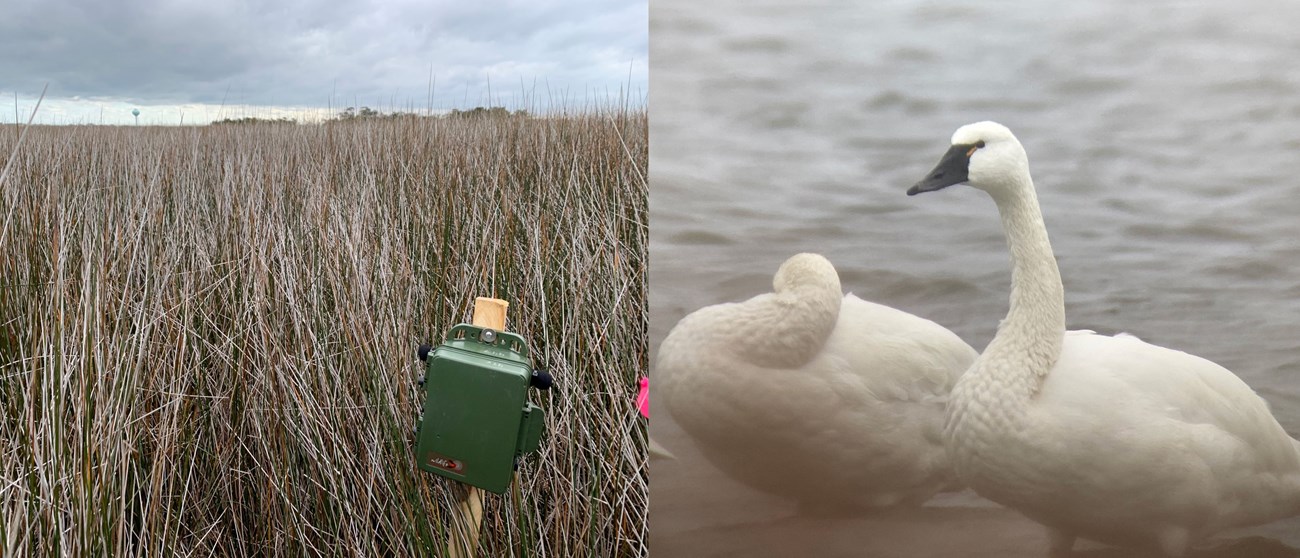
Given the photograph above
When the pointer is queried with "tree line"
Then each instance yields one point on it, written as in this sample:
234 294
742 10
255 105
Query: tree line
351 114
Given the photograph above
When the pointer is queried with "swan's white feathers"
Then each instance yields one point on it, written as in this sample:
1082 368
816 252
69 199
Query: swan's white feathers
1106 437
850 418
1123 375
1209 453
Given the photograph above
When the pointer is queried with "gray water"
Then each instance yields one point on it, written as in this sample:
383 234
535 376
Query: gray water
1164 141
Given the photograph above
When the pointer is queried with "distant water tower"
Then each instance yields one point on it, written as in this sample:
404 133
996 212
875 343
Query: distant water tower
136 113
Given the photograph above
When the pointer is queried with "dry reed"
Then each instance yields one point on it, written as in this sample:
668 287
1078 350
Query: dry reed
207 334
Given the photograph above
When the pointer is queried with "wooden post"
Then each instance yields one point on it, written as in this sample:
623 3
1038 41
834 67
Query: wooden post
489 313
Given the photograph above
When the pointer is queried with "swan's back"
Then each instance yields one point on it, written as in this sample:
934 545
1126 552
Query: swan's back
1166 384
851 419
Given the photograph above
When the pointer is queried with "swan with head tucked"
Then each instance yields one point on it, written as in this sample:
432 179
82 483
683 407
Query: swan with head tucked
815 395
1107 438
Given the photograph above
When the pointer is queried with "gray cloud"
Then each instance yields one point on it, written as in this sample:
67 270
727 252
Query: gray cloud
299 52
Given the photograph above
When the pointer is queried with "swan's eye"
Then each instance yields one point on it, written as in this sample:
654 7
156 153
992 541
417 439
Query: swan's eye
979 143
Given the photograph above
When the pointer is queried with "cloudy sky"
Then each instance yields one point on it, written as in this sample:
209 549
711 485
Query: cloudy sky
205 59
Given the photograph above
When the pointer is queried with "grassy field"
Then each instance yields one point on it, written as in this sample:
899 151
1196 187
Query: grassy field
207 334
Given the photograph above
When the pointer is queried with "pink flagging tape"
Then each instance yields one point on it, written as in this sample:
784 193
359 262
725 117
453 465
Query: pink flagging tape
643 398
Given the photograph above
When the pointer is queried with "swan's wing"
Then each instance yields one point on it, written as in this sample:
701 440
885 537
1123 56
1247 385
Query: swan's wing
907 358
891 373
903 356
875 353
1123 379
867 408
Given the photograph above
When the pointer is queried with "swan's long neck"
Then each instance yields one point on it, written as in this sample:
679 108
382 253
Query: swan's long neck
1032 332
1013 367
786 329
990 402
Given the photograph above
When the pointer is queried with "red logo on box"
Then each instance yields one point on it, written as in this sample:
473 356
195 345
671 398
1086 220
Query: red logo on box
445 463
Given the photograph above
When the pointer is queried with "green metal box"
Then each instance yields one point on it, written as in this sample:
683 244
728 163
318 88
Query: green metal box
477 418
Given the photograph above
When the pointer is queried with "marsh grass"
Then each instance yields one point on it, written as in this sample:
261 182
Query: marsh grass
207 334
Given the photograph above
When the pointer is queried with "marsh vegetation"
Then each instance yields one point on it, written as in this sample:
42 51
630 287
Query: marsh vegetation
207 334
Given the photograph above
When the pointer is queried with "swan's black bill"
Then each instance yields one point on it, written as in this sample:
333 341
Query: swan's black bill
951 170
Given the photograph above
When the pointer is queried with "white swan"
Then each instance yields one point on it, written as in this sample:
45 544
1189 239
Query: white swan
814 395
1107 438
